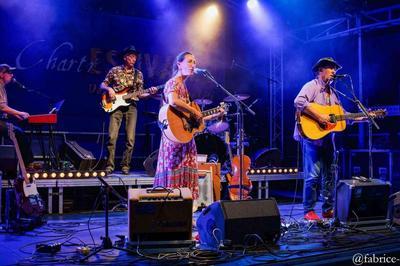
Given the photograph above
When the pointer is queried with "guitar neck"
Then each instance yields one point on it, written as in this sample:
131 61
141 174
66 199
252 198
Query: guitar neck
349 116
210 111
18 152
139 92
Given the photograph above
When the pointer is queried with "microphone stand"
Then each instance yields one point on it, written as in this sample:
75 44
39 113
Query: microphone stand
106 243
240 131
371 121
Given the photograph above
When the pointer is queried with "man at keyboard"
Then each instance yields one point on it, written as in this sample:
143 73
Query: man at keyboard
6 77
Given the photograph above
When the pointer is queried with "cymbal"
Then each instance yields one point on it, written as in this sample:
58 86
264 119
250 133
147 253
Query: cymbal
241 97
203 101
218 127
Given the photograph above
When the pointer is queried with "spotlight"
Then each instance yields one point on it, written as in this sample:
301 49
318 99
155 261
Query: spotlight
102 173
274 171
252 171
45 175
280 170
28 175
70 174
252 4
36 175
258 171
53 175
86 174
94 174
78 174
290 170
296 170
212 11
285 170
62 174
264 171
269 171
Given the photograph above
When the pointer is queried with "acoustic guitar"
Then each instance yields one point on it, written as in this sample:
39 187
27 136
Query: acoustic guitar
122 98
179 126
28 198
311 129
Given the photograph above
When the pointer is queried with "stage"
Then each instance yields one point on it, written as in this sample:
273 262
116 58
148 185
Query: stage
301 243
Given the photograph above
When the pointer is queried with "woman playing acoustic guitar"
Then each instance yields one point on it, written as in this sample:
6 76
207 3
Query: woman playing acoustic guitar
177 165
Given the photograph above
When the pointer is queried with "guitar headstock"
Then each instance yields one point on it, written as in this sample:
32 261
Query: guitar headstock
379 113
224 106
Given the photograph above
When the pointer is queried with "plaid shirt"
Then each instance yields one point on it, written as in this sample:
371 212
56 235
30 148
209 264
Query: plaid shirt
120 79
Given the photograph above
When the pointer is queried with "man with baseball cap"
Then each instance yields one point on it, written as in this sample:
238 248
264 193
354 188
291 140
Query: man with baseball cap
6 77
318 155
120 79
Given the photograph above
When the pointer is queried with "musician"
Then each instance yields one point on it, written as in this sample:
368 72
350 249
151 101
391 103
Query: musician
6 77
118 79
177 165
318 155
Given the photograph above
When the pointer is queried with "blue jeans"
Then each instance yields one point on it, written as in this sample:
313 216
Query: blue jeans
317 164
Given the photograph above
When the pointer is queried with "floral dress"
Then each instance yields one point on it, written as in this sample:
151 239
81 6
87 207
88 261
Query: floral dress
177 165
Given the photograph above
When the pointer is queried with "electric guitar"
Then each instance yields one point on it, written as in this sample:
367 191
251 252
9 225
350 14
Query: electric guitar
28 198
311 129
122 98
179 126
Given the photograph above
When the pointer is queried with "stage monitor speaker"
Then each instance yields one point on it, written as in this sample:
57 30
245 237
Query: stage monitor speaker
8 161
159 215
394 208
81 158
359 201
233 221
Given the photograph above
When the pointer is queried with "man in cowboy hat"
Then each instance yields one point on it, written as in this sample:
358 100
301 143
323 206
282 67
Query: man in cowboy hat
121 78
318 155
6 77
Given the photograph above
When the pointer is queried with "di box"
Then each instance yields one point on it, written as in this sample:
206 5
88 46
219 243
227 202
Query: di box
359 201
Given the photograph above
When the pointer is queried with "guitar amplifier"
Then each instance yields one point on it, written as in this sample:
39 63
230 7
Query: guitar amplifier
81 158
362 201
160 215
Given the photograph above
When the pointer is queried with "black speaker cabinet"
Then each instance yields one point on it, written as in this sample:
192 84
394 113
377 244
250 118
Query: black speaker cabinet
362 201
81 158
233 221
8 161
394 208
160 215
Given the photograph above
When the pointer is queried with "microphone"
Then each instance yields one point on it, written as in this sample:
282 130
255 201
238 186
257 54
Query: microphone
198 71
19 83
339 76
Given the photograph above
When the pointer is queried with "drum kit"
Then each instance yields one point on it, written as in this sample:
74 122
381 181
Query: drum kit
211 141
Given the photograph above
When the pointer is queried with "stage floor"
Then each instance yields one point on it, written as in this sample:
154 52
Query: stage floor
301 243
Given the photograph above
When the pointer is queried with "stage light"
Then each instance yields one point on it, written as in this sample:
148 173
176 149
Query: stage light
70 174
285 170
102 173
28 175
274 171
258 171
62 174
212 11
290 170
78 174
94 174
264 171
252 171
280 171
296 170
86 174
36 175
252 4
45 175
53 175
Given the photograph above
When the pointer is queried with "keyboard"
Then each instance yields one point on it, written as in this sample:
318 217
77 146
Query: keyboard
43 119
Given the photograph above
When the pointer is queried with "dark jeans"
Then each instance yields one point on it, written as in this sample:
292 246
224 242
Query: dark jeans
317 161
22 140
116 117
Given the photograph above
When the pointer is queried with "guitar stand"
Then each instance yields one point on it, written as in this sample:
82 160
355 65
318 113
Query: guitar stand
106 240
